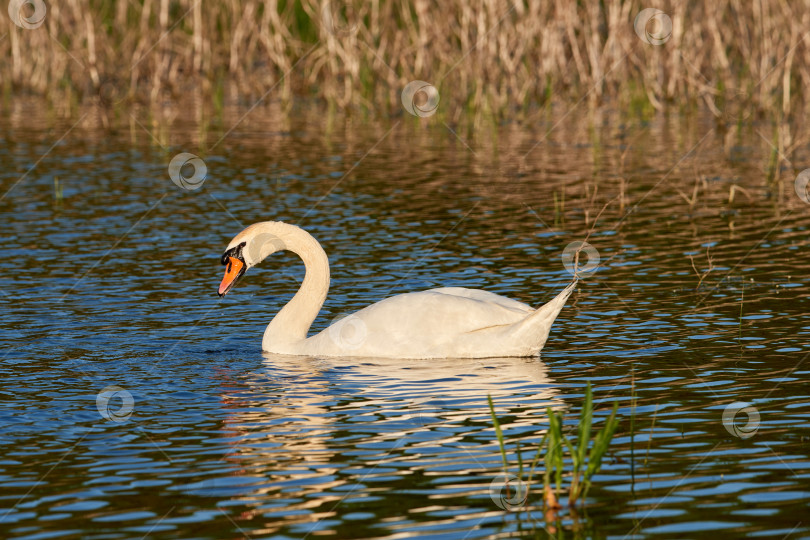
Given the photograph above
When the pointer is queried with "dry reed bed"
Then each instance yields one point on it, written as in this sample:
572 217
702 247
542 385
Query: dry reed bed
487 58
484 55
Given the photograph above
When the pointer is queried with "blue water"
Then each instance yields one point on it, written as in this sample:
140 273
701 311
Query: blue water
136 402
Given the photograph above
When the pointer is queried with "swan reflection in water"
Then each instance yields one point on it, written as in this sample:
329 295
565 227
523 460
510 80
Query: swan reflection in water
407 385
312 436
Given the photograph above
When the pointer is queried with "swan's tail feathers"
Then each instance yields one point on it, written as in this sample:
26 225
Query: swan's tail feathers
555 306
532 331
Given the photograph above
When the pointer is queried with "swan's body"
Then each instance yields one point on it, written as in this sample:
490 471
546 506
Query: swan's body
451 322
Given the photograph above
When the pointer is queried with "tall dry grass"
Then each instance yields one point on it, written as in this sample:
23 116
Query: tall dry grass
491 57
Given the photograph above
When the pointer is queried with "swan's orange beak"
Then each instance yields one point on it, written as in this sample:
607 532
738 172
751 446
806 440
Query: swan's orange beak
233 271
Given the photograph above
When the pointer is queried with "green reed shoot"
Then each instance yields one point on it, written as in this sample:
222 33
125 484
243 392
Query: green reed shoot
498 433
58 194
633 423
585 453
585 464
742 298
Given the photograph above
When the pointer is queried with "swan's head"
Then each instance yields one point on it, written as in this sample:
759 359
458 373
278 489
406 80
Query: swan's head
235 267
245 251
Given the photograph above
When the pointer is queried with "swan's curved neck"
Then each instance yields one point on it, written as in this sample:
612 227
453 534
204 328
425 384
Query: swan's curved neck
292 323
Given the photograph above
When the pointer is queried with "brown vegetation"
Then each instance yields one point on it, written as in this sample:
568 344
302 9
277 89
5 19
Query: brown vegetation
493 57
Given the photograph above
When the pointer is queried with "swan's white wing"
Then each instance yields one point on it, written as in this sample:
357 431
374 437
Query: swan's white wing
485 296
439 313
420 324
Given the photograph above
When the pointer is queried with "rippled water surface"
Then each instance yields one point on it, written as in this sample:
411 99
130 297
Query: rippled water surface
700 301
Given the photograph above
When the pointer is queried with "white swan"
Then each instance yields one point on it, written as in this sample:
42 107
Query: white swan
450 322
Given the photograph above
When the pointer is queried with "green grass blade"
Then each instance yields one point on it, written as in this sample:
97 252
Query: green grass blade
537 455
602 443
585 420
520 460
554 462
609 430
498 432
559 464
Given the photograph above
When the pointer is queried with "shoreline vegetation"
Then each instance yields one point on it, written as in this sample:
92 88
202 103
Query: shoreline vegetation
488 62
494 57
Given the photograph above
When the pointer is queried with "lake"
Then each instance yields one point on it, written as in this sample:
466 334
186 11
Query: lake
138 403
